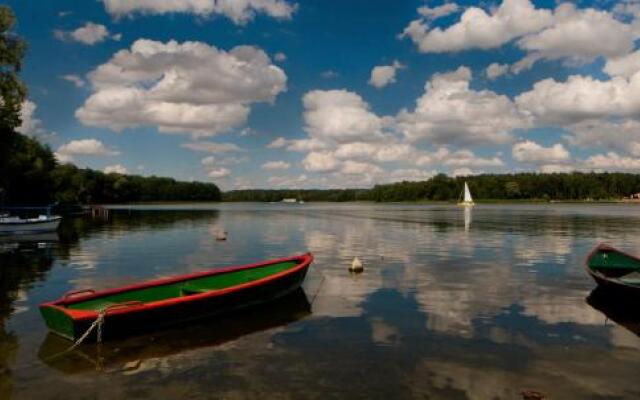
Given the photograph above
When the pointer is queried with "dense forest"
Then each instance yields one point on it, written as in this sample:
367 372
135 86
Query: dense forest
29 172
523 186
529 186
299 194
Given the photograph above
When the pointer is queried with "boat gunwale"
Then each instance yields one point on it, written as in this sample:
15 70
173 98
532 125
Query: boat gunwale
32 221
304 260
600 276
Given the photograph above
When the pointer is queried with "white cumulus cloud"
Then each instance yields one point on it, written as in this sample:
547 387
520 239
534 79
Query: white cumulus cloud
275 165
618 135
581 98
612 161
239 11
451 112
188 87
383 75
579 35
84 147
278 143
443 10
115 169
212 147
89 34
32 126
350 167
320 162
478 29
339 115
75 79
531 152
625 66
219 173
496 70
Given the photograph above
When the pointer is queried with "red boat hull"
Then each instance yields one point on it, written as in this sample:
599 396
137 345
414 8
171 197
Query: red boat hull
140 318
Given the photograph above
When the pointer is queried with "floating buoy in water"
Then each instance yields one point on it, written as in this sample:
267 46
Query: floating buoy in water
221 236
356 265
533 395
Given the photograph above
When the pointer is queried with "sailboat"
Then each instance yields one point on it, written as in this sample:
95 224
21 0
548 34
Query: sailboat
467 201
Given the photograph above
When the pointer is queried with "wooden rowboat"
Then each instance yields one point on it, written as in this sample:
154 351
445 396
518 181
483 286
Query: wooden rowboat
136 354
170 301
614 269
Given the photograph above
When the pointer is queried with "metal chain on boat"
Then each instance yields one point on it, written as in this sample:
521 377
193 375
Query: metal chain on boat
98 323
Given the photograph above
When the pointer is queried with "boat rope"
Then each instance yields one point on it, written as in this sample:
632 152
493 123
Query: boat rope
97 324
318 290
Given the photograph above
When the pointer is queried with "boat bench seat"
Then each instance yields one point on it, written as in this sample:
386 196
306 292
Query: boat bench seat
190 289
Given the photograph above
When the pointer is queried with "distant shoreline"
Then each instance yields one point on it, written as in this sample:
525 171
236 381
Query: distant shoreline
477 201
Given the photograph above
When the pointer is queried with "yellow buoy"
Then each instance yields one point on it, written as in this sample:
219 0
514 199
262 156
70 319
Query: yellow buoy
221 236
356 265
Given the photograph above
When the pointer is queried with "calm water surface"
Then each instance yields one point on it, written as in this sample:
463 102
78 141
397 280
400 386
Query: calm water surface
453 304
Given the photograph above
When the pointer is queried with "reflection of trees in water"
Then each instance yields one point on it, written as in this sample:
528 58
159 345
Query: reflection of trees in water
72 230
22 264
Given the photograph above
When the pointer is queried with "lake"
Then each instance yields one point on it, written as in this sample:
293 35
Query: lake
480 303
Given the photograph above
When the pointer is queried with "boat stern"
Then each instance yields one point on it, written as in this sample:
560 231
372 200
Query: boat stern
58 321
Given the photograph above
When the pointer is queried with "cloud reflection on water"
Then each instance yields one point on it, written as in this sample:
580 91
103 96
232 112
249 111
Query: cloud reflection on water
478 306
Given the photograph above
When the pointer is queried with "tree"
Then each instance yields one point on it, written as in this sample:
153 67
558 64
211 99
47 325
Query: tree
513 189
12 95
12 90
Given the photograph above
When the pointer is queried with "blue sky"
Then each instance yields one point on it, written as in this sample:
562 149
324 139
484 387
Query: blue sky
272 93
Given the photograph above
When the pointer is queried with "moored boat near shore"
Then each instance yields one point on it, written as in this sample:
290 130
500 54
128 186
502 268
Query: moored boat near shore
614 269
171 301
136 354
16 225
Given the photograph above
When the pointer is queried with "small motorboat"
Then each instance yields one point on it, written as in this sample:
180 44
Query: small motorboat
164 302
613 268
16 225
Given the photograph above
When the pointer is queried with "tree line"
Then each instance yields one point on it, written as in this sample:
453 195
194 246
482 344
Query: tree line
29 172
30 175
521 186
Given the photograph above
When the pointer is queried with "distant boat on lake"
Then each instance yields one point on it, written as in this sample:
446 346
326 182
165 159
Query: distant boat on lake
16 225
292 201
467 200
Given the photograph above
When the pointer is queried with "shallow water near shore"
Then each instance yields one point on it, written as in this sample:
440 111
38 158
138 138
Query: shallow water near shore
454 303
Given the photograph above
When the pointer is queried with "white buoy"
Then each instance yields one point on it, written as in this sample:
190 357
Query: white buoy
356 265
221 236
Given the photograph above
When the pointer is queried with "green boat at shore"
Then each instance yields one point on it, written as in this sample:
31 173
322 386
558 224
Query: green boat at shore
170 301
614 269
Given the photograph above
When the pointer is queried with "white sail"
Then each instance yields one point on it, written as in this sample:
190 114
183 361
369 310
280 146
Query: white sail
467 194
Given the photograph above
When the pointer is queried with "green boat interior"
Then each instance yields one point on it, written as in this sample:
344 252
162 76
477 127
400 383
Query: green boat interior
183 288
616 265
